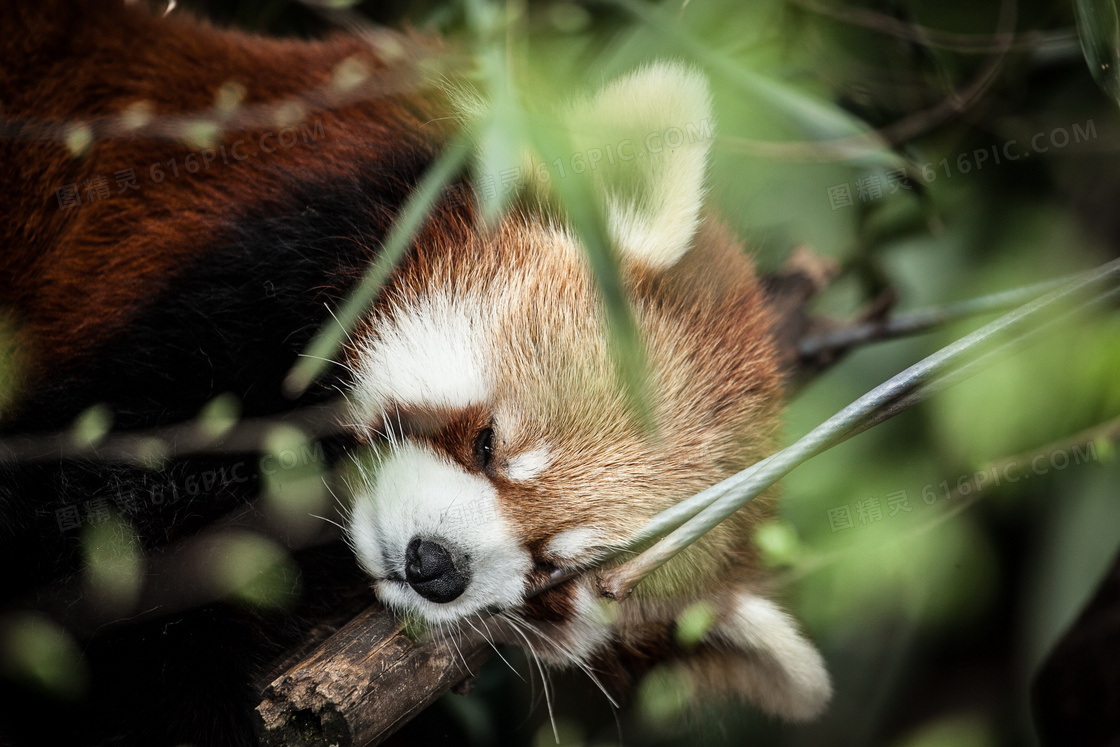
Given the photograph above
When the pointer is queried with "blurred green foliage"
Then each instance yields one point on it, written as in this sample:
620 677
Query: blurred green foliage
36 651
114 564
254 570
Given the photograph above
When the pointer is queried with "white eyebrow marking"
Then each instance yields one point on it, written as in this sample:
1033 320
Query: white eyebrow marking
428 353
529 465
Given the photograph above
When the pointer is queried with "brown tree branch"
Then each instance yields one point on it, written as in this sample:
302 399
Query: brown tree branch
362 684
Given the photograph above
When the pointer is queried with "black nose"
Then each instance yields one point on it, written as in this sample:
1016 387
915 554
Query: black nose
433 572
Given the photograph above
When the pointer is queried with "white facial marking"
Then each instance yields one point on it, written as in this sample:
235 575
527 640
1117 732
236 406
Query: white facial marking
417 492
588 630
529 465
430 353
574 544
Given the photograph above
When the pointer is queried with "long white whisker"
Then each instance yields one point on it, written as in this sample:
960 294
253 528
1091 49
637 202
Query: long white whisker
342 393
340 364
488 637
344 511
341 326
455 645
512 623
329 521
586 668
544 682
582 665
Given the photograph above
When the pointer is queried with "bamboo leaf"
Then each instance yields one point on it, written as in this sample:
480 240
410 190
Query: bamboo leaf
326 343
581 204
1098 26
501 136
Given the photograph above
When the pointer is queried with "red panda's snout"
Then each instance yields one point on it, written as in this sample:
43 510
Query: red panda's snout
432 536
502 442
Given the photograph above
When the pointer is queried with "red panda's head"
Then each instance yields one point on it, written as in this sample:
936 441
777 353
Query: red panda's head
502 439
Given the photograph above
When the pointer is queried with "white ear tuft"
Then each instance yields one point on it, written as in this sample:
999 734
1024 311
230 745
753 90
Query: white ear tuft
784 673
657 122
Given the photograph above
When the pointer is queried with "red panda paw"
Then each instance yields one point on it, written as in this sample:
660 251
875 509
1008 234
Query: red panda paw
753 653
757 653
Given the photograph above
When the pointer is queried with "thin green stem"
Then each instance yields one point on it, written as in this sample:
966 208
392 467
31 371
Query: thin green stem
735 492
921 320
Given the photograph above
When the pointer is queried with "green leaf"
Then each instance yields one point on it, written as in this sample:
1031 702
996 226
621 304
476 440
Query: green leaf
35 650
580 202
326 343
951 731
695 622
665 694
500 137
92 426
219 415
114 569
778 542
293 490
79 138
1098 27
255 570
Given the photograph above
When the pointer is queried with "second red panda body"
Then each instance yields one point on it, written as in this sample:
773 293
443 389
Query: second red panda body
480 383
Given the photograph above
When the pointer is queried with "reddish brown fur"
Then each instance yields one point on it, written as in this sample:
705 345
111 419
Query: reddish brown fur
74 275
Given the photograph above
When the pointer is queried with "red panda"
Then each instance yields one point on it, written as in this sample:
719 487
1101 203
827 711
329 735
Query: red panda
480 383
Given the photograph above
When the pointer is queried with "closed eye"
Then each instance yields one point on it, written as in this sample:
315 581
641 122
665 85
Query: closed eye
484 448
